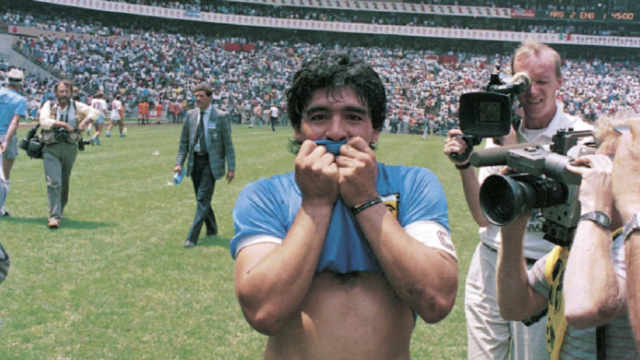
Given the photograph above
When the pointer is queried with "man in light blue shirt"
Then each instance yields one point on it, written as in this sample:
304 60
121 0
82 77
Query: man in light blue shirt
13 107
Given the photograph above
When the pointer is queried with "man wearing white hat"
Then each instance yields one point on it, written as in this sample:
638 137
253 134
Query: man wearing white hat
13 107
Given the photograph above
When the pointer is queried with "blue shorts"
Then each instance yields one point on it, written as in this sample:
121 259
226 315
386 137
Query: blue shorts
12 148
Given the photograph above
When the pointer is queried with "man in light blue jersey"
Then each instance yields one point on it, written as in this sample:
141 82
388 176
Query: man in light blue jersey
338 258
13 107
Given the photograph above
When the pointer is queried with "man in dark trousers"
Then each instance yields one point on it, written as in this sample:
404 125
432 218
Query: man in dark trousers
206 145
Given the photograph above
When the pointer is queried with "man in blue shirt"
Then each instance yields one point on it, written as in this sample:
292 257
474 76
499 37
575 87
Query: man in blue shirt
13 107
338 258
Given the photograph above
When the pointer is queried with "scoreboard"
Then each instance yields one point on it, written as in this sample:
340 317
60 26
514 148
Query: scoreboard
626 16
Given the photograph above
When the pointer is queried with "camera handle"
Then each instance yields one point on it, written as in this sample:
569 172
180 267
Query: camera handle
471 141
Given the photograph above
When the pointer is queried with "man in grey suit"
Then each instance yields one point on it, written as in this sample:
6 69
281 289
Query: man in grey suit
205 145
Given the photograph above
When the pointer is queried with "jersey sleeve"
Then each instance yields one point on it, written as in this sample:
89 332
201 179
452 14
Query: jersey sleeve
423 199
22 108
260 211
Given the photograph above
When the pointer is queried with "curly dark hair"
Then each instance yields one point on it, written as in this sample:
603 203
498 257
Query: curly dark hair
333 70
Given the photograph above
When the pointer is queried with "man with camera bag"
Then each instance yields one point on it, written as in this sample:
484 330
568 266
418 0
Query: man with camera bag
582 284
489 335
13 107
62 122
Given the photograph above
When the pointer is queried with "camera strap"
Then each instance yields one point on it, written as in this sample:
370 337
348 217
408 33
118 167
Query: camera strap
70 115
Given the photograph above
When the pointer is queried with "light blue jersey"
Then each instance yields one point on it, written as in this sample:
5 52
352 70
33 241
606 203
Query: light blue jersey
268 207
11 103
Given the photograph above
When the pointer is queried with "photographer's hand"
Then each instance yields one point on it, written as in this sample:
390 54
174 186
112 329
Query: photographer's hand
595 190
455 144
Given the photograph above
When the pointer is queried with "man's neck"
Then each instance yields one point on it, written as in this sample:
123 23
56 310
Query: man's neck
538 123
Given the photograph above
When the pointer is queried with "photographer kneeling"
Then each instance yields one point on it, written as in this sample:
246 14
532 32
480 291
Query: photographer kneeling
62 122
587 314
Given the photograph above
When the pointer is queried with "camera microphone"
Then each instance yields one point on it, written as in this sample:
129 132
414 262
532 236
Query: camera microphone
518 84
497 155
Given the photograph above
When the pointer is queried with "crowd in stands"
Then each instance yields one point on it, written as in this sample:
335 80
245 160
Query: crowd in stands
163 67
167 66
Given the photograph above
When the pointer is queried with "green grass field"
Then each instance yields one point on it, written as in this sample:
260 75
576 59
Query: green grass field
114 282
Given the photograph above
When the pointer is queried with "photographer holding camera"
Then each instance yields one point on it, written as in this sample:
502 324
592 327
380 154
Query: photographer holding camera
583 284
489 335
626 191
63 122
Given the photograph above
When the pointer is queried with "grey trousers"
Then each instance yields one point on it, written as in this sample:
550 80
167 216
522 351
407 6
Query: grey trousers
58 162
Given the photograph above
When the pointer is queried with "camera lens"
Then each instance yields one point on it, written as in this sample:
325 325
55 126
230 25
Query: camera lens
503 198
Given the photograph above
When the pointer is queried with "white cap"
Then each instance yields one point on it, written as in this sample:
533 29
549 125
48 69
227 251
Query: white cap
14 77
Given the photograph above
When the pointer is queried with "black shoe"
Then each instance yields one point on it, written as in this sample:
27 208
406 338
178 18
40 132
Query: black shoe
212 233
6 214
189 244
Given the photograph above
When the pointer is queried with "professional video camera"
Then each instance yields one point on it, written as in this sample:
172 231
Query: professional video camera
490 113
541 181
31 144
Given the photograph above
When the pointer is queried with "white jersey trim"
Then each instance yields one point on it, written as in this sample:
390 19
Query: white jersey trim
256 239
432 234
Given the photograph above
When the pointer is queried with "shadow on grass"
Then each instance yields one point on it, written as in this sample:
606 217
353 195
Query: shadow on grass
214 241
65 223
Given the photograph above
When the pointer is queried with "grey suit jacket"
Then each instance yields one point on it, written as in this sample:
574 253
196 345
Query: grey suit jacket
218 142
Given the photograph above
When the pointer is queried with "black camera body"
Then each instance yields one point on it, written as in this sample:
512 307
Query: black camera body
541 181
31 144
490 113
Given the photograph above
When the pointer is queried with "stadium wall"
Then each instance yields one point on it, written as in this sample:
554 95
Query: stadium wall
16 59
353 28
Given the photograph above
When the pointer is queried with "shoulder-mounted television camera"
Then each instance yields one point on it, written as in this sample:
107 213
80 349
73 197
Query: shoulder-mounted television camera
490 113
541 181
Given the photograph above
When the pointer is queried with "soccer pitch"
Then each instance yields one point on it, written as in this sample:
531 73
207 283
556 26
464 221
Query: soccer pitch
114 282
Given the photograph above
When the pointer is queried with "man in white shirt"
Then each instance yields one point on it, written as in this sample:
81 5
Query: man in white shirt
100 105
273 116
117 112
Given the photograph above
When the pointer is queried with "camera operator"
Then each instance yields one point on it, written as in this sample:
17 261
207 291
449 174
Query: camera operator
63 122
490 336
626 191
583 284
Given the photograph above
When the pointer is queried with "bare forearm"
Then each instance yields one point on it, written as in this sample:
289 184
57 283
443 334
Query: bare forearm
13 126
271 290
423 277
633 282
471 188
591 288
516 297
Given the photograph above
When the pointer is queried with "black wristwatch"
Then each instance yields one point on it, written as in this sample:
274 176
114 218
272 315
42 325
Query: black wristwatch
633 224
601 219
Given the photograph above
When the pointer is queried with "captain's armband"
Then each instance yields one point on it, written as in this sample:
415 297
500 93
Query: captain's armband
432 234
